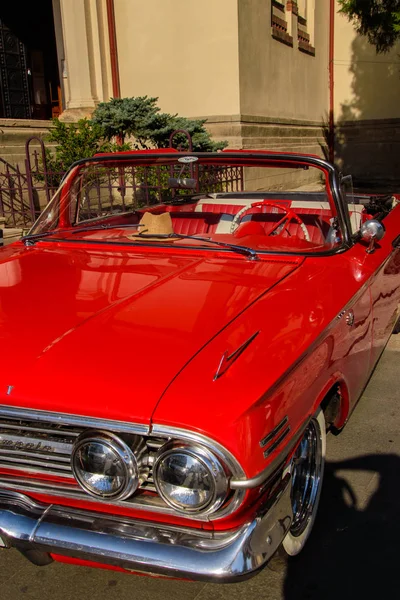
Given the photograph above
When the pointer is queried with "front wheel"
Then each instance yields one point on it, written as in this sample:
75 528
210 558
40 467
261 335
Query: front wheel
307 469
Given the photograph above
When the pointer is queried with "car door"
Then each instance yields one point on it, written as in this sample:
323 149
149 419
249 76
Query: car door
382 261
385 295
384 265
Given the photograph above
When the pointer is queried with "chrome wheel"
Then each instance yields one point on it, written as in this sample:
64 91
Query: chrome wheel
307 470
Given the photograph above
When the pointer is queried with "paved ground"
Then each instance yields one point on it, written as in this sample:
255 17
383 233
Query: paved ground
352 553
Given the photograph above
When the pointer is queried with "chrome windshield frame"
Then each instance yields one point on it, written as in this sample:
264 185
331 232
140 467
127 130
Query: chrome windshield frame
246 159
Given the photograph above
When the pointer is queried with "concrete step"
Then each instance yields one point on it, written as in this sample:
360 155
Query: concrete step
14 135
9 235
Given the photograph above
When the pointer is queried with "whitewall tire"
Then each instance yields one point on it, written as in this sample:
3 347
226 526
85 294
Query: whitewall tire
307 469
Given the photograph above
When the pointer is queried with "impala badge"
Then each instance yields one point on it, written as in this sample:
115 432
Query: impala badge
19 445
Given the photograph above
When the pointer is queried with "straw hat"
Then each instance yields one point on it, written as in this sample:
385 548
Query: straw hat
151 224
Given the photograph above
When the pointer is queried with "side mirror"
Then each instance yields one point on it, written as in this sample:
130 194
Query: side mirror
371 232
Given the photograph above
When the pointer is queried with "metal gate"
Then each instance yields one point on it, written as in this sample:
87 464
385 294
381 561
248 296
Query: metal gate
24 192
15 201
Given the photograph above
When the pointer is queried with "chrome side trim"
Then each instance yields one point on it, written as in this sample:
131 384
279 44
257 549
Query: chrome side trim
77 420
263 477
273 433
276 443
147 546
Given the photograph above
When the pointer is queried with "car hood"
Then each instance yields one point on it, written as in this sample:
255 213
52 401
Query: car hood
103 332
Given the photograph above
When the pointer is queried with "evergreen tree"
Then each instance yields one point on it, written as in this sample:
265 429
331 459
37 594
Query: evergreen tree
143 120
379 20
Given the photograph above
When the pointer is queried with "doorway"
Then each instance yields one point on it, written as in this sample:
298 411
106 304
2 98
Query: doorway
29 68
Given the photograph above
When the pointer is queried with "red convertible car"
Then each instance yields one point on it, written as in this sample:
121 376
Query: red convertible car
178 332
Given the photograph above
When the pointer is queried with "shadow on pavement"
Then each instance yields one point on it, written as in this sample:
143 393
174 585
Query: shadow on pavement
353 551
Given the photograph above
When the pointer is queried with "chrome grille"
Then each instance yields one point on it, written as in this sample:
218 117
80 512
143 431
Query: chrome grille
44 449
37 447
24 433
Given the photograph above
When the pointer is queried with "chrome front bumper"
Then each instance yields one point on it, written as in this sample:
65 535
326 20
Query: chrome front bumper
146 547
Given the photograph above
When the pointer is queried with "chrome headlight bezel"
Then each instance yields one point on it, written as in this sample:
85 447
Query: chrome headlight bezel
119 449
216 470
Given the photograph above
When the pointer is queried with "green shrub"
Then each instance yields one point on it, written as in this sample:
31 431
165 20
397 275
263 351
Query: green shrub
117 119
142 119
73 141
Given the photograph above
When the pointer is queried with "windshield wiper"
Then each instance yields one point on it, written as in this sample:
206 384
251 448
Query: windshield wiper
239 249
29 240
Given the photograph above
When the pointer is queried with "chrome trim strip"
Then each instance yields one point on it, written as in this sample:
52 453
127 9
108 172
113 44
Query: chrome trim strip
4 425
33 463
273 433
147 546
143 502
262 478
73 420
74 492
276 443
22 454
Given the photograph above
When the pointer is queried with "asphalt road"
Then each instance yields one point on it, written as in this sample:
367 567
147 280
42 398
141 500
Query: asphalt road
352 553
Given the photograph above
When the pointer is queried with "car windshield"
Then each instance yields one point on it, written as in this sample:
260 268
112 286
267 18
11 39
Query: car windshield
265 204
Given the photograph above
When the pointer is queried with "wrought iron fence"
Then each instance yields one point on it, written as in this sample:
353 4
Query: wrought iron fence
25 192
15 200
105 190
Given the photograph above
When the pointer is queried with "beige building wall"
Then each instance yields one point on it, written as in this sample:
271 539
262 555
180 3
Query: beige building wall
183 51
367 84
216 59
277 80
283 90
367 107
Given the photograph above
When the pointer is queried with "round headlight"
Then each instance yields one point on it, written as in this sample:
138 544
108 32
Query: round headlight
190 478
104 466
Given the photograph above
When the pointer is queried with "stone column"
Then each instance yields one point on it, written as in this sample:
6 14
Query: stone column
80 96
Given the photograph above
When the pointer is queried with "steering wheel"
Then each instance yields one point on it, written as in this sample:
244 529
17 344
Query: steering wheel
280 226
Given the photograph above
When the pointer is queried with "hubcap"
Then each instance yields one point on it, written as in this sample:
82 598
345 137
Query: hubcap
306 477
